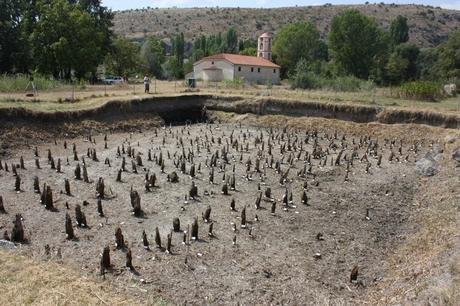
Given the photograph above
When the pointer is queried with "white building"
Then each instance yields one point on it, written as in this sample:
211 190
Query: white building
251 69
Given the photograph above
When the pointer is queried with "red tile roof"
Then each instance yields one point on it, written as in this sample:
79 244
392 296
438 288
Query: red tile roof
241 60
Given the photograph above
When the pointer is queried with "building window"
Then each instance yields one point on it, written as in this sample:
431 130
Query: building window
274 70
239 68
258 70
260 54
212 62
252 69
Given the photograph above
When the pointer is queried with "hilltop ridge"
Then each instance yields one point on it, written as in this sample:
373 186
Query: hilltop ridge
429 26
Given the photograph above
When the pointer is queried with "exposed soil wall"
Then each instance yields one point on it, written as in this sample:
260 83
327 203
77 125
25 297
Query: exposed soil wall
355 113
164 105
419 117
359 114
188 108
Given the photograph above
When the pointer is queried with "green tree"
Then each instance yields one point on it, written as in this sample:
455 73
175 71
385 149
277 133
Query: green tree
54 37
249 51
199 47
29 12
65 39
197 55
449 56
302 77
123 57
152 57
402 65
174 70
179 53
10 17
378 72
103 18
188 67
427 65
354 41
215 44
296 41
399 31
231 41
247 43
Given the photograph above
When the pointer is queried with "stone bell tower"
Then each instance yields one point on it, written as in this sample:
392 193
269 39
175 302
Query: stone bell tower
264 46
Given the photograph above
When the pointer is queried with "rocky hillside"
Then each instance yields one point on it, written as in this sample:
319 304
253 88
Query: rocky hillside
429 26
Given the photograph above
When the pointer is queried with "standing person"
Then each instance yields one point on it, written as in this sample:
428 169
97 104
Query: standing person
146 84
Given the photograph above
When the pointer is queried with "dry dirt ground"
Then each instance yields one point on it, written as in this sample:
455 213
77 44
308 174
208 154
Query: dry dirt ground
93 96
300 254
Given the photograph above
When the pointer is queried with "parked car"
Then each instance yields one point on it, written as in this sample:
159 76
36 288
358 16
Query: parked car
113 80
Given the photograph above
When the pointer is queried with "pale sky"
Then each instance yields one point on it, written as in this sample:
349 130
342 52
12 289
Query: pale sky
133 4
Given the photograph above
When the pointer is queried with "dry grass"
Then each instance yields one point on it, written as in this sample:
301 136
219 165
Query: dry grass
96 96
421 269
89 98
426 269
24 281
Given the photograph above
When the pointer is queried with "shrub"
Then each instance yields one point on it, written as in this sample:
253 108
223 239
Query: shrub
269 83
312 76
304 80
309 80
421 90
235 83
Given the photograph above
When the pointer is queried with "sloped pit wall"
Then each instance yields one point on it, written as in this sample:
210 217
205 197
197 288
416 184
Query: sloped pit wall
391 116
188 108
360 114
355 113
174 109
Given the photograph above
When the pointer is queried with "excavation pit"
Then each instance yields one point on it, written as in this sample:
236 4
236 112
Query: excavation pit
356 212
